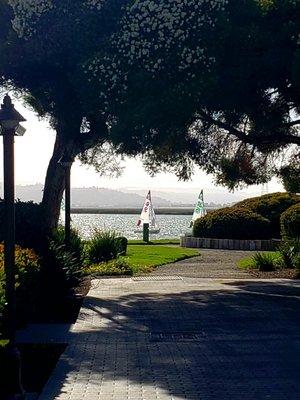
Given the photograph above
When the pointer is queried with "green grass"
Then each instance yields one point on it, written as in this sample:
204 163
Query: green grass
248 262
154 242
141 259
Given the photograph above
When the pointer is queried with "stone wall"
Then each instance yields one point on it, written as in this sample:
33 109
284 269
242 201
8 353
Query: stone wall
228 244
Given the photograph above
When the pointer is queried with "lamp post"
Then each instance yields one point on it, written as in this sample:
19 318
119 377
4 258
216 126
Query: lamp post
10 126
66 162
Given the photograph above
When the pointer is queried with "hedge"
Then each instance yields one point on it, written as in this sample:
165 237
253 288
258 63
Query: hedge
29 224
270 206
232 223
290 222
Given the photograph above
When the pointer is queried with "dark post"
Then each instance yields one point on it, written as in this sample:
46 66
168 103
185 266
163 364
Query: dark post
9 233
146 233
66 162
67 205
9 124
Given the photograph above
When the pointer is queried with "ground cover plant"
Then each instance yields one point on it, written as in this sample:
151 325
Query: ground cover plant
287 256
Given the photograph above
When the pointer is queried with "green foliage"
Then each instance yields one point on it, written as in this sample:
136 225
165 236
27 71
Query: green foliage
121 243
64 264
29 224
110 268
76 245
290 176
290 222
289 252
27 278
232 223
264 261
270 206
240 85
103 246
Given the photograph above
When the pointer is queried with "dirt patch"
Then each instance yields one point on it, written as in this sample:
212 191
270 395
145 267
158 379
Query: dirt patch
279 274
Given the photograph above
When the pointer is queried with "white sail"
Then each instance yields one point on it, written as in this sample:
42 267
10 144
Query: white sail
147 216
199 210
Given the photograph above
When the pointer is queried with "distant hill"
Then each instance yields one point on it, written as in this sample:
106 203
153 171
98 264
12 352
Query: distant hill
129 198
92 197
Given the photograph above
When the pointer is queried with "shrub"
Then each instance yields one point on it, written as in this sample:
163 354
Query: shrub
76 245
64 263
289 253
265 261
290 222
232 223
27 278
122 243
110 268
103 246
29 224
270 206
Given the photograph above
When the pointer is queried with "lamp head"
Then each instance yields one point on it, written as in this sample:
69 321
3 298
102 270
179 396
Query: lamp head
9 117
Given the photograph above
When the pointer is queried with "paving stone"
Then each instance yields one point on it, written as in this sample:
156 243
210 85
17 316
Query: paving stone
196 339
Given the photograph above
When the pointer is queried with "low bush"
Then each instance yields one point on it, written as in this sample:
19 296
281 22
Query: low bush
232 223
76 245
265 261
270 206
103 246
110 268
27 278
289 254
290 222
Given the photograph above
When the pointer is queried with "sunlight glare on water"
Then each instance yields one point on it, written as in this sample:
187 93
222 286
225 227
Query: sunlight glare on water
171 226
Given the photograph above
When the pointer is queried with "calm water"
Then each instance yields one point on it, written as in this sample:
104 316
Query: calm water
171 226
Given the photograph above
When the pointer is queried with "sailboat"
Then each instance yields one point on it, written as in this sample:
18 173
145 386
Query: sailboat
199 210
147 217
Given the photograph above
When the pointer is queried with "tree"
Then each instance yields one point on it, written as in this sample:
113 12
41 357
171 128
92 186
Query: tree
232 105
43 58
211 82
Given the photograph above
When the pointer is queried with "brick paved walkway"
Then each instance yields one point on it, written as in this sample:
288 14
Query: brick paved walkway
172 338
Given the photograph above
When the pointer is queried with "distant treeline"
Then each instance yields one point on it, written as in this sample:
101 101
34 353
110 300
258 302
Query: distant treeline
158 211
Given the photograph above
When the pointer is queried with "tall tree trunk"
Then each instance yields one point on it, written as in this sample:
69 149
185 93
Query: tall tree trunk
55 183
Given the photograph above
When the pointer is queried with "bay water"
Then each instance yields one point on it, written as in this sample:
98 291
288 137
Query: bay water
171 226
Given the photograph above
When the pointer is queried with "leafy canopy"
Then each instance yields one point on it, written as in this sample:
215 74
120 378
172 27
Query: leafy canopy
207 82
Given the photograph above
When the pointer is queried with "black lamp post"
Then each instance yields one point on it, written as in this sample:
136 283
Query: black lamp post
10 126
66 162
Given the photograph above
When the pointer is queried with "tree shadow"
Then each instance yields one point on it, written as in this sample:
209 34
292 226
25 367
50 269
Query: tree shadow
198 344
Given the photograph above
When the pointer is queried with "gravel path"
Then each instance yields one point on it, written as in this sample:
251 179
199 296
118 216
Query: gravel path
210 264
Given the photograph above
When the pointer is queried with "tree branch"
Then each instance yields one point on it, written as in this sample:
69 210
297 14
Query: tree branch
251 139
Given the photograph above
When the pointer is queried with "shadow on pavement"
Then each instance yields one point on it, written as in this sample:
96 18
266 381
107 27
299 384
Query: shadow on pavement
199 344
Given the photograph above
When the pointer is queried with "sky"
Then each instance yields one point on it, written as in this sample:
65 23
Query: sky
34 149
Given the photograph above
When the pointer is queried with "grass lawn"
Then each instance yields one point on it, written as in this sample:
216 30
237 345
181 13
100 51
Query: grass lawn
141 259
146 257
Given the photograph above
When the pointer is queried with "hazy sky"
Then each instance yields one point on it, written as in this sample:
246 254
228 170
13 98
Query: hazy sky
33 152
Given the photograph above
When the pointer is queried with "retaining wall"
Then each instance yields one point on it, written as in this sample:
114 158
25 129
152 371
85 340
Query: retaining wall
228 244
